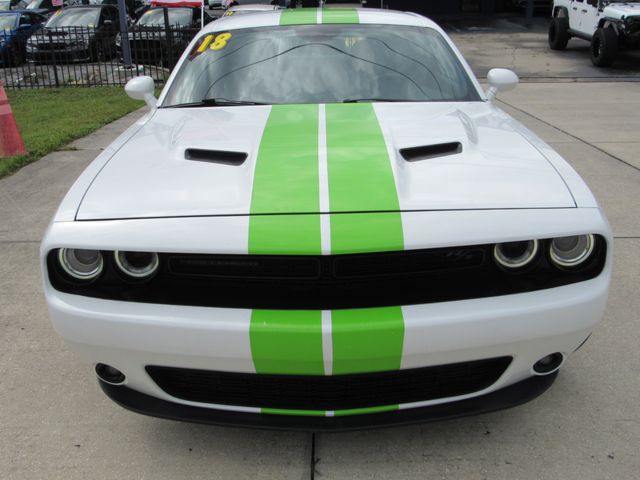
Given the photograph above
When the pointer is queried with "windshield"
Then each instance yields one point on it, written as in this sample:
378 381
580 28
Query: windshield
35 4
78 17
155 17
8 22
5 4
322 64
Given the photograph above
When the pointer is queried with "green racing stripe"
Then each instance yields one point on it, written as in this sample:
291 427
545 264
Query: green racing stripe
299 16
365 411
284 220
287 341
283 411
309 16
367 339
361 179
340 15
286 182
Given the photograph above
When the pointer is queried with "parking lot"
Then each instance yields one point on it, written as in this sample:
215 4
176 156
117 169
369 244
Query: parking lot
55 423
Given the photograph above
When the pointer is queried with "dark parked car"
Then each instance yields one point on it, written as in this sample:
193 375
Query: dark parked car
151 41
135 8
44 7
16 26
77 34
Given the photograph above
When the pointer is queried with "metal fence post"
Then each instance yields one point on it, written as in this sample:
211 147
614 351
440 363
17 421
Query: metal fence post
124 33
169 37
53 59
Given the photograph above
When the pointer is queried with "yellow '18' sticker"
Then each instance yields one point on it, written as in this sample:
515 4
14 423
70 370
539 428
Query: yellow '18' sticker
214 43
221 41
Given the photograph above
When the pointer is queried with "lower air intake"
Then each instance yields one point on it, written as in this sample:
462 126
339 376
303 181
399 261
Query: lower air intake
338 392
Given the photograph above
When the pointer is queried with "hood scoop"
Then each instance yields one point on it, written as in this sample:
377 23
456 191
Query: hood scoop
216 156
427 152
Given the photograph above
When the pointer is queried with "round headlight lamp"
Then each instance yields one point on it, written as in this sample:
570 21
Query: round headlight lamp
571 251
138 265
81 264
515 255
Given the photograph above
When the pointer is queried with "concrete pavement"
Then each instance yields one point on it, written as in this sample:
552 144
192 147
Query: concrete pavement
56 424
521 46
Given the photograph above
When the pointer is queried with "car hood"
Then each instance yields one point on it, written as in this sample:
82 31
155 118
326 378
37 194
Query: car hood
622 10
459 156
60 35
8 35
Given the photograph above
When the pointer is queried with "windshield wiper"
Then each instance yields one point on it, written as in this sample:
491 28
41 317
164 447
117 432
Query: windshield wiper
216 102
358 100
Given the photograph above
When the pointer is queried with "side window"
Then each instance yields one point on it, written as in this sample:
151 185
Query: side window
25 20
593 3
111 14
104 15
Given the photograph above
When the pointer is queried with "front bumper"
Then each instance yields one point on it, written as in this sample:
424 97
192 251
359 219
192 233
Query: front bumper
511 396
71 54
132 336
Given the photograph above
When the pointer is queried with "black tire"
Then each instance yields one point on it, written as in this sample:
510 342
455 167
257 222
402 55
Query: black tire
559 33
96 53
604 47
16 57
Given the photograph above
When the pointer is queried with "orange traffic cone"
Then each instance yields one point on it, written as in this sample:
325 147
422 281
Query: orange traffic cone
10 140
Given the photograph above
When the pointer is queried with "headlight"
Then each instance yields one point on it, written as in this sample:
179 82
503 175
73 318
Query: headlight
514 255
81 264
571 251
137 264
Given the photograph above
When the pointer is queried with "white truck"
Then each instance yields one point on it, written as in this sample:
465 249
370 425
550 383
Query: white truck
610 26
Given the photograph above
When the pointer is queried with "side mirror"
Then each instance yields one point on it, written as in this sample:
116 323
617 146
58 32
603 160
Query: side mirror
501 80
142 88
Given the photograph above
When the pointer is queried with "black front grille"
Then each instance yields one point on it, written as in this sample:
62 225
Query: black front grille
53 46
327 282
338 392
244 267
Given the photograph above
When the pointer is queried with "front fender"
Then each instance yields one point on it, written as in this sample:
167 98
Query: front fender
560 12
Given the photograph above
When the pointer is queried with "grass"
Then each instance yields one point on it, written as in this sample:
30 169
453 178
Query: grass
48 119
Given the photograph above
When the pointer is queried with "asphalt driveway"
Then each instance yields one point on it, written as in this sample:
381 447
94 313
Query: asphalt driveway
56 424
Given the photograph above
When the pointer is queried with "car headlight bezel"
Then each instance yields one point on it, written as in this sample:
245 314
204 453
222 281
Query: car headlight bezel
128 267
513 261
71 264
584 248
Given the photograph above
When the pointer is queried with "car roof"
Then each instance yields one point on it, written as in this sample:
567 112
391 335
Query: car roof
271 18
20 10
171 7
76 7
254 7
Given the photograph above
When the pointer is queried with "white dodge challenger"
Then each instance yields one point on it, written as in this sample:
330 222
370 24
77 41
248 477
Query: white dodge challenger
324 222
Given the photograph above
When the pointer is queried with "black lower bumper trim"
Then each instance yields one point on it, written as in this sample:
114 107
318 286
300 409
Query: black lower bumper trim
507 397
